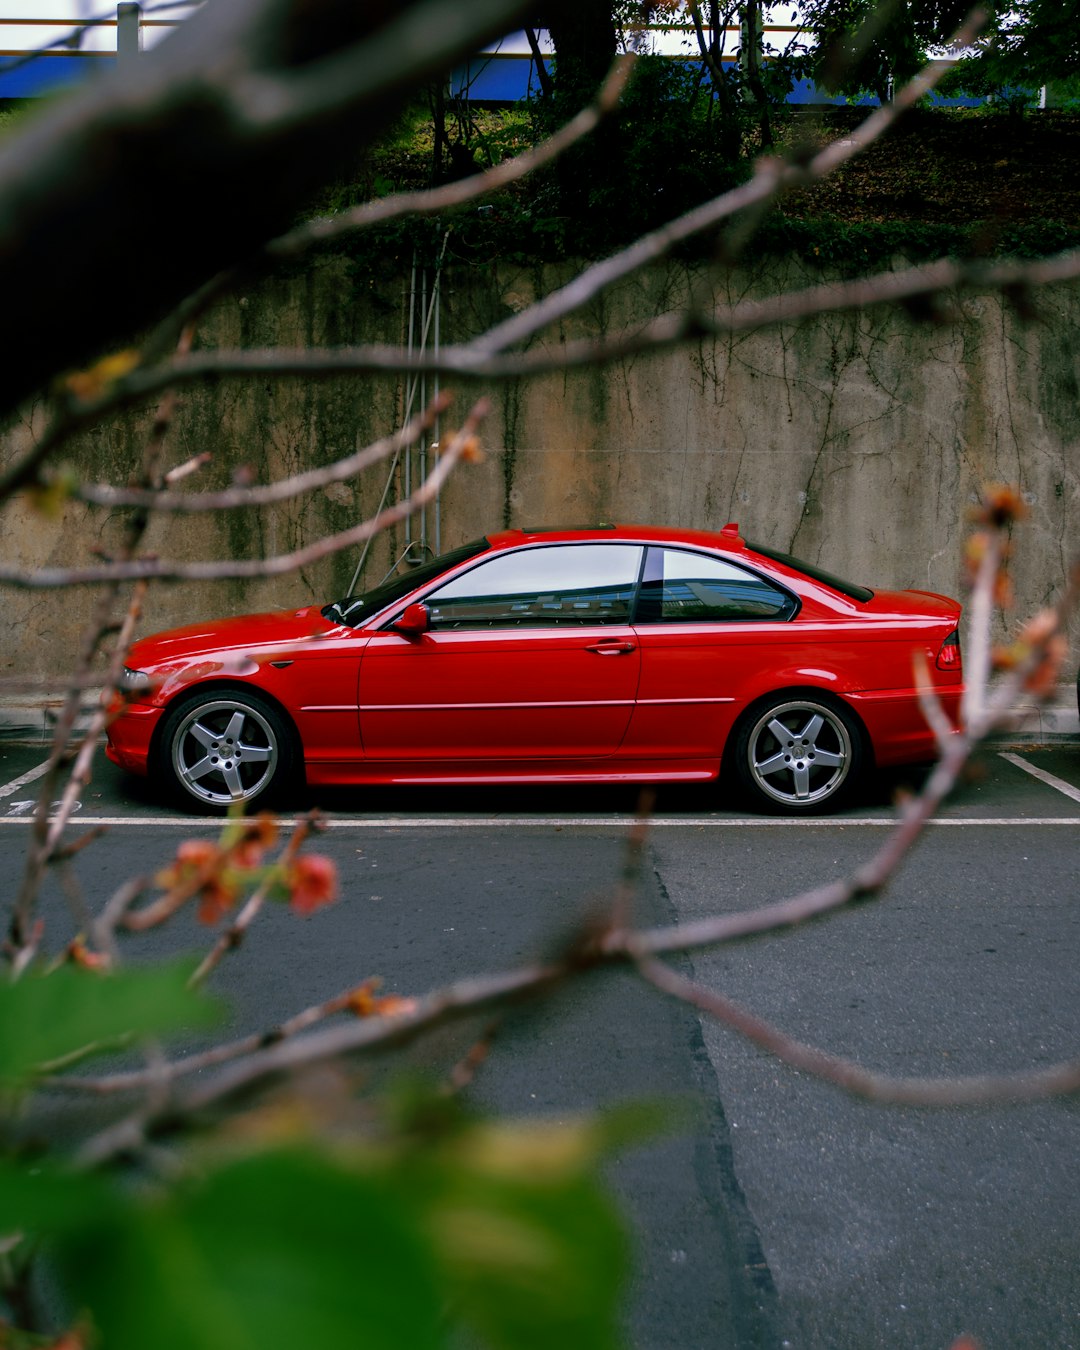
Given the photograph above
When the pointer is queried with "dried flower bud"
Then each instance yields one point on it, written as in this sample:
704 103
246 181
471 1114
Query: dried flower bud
471 452
79 954
201 864
364 1002
191 857
216 898
312 883
259 834
1002 505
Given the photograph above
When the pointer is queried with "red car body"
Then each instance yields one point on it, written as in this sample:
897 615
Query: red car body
657 658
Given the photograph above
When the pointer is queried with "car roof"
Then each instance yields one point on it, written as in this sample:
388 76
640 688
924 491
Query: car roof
728 539
806 579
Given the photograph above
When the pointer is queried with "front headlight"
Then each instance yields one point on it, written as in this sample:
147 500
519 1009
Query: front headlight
134 681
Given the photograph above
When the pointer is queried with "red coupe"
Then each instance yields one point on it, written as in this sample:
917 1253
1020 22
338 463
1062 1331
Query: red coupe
614 654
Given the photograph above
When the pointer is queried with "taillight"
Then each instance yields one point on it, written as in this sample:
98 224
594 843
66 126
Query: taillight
949 656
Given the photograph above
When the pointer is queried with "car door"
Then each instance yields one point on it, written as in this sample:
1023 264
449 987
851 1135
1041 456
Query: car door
703 624
530 655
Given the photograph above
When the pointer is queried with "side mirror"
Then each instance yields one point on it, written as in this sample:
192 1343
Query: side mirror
414 620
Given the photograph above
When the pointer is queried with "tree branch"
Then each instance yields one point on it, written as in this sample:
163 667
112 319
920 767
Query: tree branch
162 570
974 1090
284 489
250 105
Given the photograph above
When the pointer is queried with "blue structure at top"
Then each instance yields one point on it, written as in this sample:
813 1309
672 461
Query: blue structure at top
49 73
493 77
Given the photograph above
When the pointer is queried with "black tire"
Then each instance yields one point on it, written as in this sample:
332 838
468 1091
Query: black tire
798 752
218 747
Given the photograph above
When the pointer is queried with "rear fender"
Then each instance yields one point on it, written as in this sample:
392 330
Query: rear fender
781 694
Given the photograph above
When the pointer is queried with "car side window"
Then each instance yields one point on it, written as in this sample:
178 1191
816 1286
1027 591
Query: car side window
685 587
557 586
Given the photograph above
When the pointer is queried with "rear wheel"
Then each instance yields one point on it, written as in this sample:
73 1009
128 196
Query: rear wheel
225 747
798 753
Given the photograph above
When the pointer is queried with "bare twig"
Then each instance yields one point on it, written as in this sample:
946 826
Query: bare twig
283 489
132 1081
80 773
974 1090
47 834
480 361
315 232
248 105
977 656
103 929
319 231
464 1072
458 446
371 1034
930 704
466 998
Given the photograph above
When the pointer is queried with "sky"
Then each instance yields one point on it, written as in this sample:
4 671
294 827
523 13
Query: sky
28 36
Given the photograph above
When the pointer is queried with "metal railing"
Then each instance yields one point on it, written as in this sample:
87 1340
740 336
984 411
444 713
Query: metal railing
39 54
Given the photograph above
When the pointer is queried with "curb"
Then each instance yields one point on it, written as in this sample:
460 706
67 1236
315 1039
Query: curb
25 721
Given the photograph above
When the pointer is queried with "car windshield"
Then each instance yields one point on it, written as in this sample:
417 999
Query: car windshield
848 588
355 609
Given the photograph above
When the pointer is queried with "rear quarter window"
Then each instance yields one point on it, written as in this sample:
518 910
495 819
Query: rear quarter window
685 587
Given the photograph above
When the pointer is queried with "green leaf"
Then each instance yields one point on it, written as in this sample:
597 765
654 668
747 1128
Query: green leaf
44 1017
273 1252
43 1200
533 1266
500 1227
532 1247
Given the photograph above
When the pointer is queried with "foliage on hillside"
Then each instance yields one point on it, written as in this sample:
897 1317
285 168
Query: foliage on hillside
946 181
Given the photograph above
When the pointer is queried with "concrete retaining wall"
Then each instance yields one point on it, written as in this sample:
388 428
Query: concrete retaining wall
856 441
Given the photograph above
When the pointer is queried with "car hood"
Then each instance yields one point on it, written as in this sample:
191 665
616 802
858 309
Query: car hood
248 633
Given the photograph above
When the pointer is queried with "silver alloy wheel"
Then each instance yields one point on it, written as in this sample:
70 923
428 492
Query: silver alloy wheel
799 753
224 751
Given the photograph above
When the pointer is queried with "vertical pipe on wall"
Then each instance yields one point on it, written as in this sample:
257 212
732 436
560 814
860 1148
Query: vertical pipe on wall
410 393
416 344
422 447
435 446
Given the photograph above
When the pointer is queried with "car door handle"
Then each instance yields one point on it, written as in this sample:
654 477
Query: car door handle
611 648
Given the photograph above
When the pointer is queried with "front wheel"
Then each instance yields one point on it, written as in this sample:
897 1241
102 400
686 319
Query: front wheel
225 747
798 754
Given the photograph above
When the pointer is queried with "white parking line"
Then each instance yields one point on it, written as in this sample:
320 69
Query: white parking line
17 783
579 822
1042 775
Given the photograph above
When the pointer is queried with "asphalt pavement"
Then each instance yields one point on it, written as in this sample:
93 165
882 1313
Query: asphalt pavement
780 1212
